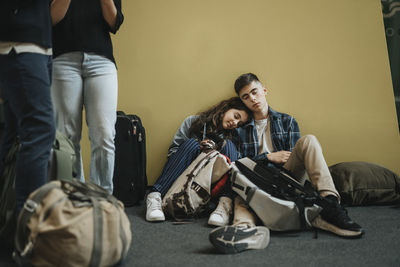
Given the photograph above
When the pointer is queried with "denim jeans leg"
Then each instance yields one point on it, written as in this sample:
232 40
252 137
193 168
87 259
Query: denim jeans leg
25 81
9 133
67 96
100 100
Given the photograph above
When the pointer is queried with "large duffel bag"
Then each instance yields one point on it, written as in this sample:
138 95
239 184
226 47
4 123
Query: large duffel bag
70 223
281 203
189 194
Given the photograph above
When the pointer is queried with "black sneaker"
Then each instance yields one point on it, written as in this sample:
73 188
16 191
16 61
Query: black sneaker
233 239
335 218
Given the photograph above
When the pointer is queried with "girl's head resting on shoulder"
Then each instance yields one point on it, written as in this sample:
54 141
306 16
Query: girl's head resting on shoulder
222 117
234 118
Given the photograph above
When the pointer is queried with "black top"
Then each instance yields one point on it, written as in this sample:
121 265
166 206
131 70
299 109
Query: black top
84 29
25 21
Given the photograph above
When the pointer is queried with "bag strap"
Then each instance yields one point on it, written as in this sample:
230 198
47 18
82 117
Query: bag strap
203 193
202 163
200 191
177 220
284 178
89 189
95 198
221 182
263 182
95 258
22 244
124 240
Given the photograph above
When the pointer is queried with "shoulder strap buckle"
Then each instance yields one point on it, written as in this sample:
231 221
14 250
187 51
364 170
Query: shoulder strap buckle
30 205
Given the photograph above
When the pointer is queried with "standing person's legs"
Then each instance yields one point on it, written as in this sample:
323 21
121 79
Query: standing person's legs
67 96
10 131
25 81
100 100
307 157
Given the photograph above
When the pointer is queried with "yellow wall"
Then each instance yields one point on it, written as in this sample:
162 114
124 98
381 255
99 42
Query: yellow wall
323 61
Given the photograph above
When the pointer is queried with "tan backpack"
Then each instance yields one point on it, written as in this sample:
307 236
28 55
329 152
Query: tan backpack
191 191
70 223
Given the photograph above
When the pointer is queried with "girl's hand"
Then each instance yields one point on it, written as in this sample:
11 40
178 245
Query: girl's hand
207 145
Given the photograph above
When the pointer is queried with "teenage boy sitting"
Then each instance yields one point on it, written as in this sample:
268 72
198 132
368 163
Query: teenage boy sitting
275 137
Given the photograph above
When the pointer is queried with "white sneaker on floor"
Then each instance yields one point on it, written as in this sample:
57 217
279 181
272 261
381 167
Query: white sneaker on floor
221 215
154 211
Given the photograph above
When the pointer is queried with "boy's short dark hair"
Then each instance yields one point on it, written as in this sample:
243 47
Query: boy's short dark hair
244 80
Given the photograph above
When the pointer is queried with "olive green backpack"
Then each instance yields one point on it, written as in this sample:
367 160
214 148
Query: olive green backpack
61 166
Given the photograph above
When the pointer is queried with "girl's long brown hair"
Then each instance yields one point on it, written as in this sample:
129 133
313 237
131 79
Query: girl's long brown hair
213 119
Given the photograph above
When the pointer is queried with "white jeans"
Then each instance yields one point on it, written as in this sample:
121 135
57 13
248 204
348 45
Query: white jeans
88 80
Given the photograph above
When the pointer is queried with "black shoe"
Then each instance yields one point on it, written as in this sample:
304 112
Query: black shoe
337 216
232 239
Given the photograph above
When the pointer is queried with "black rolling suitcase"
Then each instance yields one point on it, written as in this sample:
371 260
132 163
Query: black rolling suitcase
130 179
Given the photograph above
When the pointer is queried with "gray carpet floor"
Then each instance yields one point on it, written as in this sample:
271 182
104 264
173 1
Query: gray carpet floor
167 244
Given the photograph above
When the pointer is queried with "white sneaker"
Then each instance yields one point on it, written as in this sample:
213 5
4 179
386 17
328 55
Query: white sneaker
220 216
154 211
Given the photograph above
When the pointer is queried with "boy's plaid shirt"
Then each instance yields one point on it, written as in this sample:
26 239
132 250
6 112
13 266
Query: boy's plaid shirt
284 134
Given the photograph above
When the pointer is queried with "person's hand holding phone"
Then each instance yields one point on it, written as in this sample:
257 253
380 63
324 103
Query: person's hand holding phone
206 145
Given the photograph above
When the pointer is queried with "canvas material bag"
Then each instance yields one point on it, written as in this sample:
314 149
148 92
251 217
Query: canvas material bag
364 183
63 160
189 194
69 223
275 213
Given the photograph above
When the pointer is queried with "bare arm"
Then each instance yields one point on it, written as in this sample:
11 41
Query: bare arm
58 9
109 12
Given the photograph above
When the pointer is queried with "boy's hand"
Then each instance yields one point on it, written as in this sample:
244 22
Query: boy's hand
280 157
